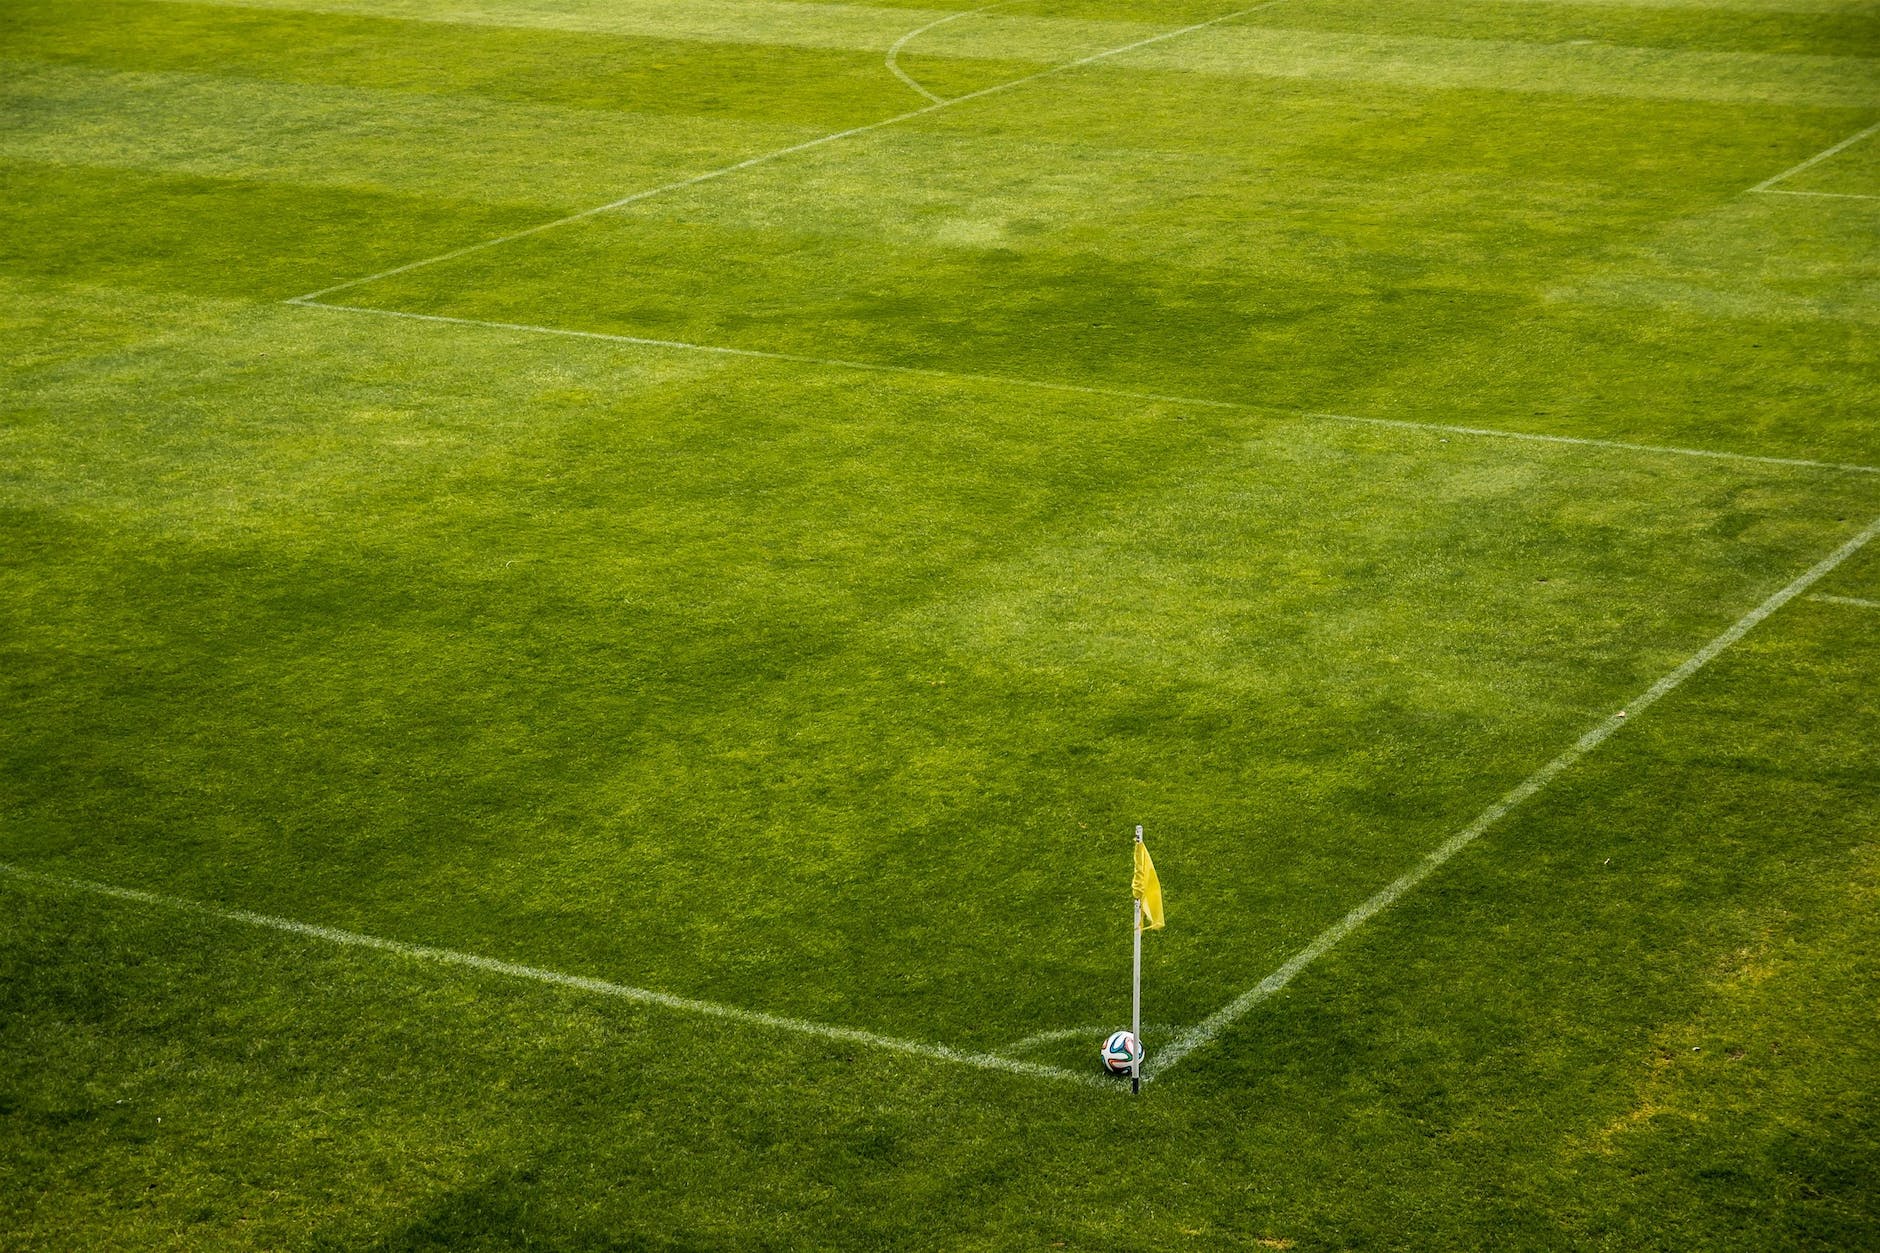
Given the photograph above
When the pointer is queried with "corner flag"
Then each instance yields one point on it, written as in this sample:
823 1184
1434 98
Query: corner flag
1145 887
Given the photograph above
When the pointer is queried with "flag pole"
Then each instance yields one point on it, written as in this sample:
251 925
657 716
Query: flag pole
1135 997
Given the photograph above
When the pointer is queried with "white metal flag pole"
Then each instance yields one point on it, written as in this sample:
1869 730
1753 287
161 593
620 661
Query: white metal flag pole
1135 996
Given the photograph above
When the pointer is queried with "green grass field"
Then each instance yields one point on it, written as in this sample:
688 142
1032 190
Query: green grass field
591 591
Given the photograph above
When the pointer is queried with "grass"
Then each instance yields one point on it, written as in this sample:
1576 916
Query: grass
828 682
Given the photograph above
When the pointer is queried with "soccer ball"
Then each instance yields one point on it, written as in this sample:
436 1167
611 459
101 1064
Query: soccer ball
1121 1052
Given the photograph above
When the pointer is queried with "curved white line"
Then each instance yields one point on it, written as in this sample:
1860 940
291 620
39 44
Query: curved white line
894 51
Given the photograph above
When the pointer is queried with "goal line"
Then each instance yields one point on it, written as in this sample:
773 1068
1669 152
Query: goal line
536 974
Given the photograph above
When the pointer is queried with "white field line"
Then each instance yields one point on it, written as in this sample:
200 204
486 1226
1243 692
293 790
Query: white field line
1671 450
763 158
1004 380
893 60
1853 601
1817 159
1205 1032
1826 195
580 983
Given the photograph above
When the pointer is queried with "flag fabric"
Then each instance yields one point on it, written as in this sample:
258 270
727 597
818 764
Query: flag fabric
1145 887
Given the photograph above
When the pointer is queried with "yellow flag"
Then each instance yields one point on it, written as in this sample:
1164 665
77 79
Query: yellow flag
1145 887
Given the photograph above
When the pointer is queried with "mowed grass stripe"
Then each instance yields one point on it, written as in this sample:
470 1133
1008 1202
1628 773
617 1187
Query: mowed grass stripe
1697 8
819 88
781 23
1088 390
1775 28
1760 259
412 144
124 228
1828 28
1511 66
1060 36
613 72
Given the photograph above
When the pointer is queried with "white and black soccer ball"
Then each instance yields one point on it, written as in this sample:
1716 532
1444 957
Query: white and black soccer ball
1121 1052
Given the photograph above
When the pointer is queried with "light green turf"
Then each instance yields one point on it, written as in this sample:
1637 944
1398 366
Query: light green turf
360 138
828 681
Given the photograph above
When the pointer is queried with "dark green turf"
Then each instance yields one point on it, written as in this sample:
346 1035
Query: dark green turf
834 692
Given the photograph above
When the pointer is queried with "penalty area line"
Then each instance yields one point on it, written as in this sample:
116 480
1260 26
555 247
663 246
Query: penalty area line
759 354
1822 195
1081 389
1207 1030
556 978
1585 441
764 158
1769 183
